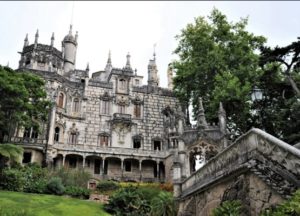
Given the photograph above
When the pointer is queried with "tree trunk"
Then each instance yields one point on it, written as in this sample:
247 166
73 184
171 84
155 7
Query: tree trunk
293 84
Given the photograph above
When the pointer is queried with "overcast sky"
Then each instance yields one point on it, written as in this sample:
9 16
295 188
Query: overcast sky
133 27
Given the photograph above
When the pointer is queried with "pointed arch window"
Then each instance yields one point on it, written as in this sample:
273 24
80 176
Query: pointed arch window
56 134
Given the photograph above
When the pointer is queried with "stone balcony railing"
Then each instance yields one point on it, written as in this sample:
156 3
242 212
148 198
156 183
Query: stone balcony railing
243 155
92 149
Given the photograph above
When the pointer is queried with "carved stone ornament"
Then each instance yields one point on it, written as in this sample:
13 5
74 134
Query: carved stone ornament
122 100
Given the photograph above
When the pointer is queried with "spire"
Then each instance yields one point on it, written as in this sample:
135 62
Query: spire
52 39
7 65
26 43
36 36
87 67
109 58
201 120
154 54
128 61
70 30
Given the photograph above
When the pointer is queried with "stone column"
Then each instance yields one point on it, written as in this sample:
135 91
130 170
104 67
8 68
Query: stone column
157 170
63 162
83 162
51 126
122 168
103 164
140 169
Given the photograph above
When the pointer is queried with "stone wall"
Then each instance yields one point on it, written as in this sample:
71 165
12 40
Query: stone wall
253 193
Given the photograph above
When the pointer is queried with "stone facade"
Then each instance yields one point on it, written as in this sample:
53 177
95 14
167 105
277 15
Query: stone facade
109 123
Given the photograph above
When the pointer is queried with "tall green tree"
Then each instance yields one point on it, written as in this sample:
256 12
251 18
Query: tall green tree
23 101
218 61
10 153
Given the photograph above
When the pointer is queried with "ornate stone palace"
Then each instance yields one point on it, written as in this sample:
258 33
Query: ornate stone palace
109 124
116 128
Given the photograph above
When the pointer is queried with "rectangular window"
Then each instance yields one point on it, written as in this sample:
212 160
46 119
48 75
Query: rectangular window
105 107
121 109
73 138
127 166
137 110
103 140
136 143
76 105
157 145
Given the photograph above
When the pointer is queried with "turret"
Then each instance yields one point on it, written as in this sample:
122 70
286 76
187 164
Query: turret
108 66
152 72
170 77
128 66
69 47
201 120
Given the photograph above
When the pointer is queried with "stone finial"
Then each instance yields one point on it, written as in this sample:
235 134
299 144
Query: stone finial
221 109
76 36
201 120
154 54
26 43
36 36
52 39
128 61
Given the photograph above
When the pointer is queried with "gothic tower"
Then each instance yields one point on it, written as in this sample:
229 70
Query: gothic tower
69 47
152 72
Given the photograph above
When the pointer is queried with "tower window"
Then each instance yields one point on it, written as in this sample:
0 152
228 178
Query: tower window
137 110
76 105
127 165
61 100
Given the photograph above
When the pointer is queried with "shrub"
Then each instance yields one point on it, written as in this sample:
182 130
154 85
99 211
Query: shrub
290 207
55 186
228 208
78 192
72 177
12 179
128 202
163 205
105 186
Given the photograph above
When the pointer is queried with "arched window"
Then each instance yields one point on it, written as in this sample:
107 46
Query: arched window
137 143
122 84
61 100
137 110
76 105
56 134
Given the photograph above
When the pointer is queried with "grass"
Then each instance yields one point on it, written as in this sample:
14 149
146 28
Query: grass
46 205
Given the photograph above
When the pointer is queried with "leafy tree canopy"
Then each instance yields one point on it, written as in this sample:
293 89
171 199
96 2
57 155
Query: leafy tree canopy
218 62
22 102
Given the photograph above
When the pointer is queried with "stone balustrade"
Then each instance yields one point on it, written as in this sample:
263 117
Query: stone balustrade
254 146
92 149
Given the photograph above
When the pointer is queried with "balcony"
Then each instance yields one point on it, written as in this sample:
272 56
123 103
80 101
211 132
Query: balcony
121 118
